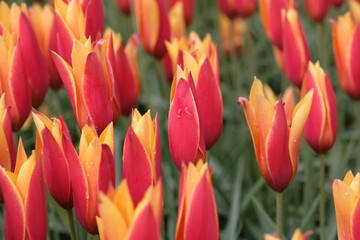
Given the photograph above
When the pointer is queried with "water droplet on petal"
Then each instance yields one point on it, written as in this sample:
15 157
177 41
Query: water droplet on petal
188 114
178 113
86 195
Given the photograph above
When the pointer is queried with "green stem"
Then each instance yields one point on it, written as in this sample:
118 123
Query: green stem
320 43
252 57
161 78
308 179
322 198
71 224
280 214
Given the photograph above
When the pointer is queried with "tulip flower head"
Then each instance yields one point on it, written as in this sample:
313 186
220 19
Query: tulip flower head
92 171
197 212
186 140
200 58
337 3
298 235
232 34
346 43
346 196
317 9
120 218
296 53
142 154
243 8
124 6
177 20
276 143
153 25
321 127
24 197
86 74
188 9
7 148
49 145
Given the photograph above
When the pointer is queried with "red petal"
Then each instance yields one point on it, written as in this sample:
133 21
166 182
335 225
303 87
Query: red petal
56 167
209 100
184 125
65 38
136 166
164 32
106 169
355 222
94 18
157 148
201 220
35 205
355 61
9 137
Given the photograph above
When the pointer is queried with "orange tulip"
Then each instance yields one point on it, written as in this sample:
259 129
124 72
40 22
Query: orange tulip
153 25
7 148
296 53
346 45
276 143
49 145
188 9
186 140
92 171
232 34
298 235
91 69
321 126
197 212
142 154
24 198
317 9
346 196
177 20
200 58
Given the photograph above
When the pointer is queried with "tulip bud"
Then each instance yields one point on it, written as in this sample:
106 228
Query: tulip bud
197 212
124 6
13 79
188 9
270 13
337 3
225 34
276 143
24 198
177 20
296 51
239 29
92 171
243 8
49 145
231 34
354 6
120 218
346 45
346 196
7 148
86 74
298 235
321 126
200 58
317 9
142 154
186 140
153 25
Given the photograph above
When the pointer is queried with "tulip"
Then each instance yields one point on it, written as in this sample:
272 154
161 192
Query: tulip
239 29
153 25
94 17
24 199
87 73
49 145
321 126
270 13
317 9
337 3
354 6
142 154
276 143
188 9
177 20
243 8
124 6
197 212
298 235
43 22
121 218
23 33
13 79
296 51
92 171
225 34
346 45
346 196
7 149
201 59
231 34
186 140
127 71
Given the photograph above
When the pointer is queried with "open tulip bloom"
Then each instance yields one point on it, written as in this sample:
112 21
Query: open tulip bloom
276 142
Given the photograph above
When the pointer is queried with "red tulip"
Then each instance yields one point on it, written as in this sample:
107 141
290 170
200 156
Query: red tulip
197 212
24 198
49 145
186 140
92 171
337 3
188 6
124 6
321 126
243 8
296 53
317 9
142 154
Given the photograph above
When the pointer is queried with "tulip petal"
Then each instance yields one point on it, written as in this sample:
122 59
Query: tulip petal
164 30
106 169
354 52
94 19
136 166
65 36
157 148
97 102
14 219
355 220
